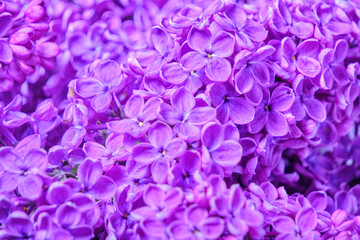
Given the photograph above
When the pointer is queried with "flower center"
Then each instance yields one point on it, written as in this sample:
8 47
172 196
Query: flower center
208 55
140 124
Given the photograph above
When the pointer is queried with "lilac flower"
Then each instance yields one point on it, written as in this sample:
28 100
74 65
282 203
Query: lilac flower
93 182
184 114
284 22
174 73
332 60
302 57
217 151
269 112
160 200
182 174
196 224
247 31
18 225
162 52
139 116
6 55
230 105
253 70
24 168
161 149
305 103
109 154
210 52
237 216
105 80
302 227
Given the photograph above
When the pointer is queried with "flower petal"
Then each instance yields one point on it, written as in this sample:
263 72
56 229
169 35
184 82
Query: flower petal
174 73
145 153
228 154
88 87
183 101
159 134
218 69
134 106
104 189
276 124
89 172
30 187
199 40
315 109
241 112
212 136
201 115
223 44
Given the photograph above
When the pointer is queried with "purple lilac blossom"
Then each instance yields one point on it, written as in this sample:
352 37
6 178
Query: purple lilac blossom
168 119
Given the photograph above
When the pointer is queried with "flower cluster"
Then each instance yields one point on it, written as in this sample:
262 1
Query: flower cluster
168 119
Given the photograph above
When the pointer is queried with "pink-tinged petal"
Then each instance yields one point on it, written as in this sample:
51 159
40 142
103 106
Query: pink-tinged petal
89 172
276 124
199 40
252 217
129 126
259 121
308 48
187 131
308 66
270 191
15 119
318 200
79 44
201 115
88 87
284 224
244 80
48 49
193 61
169 114
154 195
183 101
224 22
326 79
338 28
8 181
26 144
228 154
241 112
159 134
302 30
306 219
73 137
134 106
95 150
35 159
212 136
236 198
263 52
137 170
153 227
260 73
5 23
218 69
212 227
145 153
104 189
174 73
315 109
223 45
340 50
114 142
193 83
255 31
282 98
150 109
179 230
30 187
175 148
159 171
6 54
101 102
159 39
243 41
255 95
236 14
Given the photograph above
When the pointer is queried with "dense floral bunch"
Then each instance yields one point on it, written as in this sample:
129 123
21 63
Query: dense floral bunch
168 119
